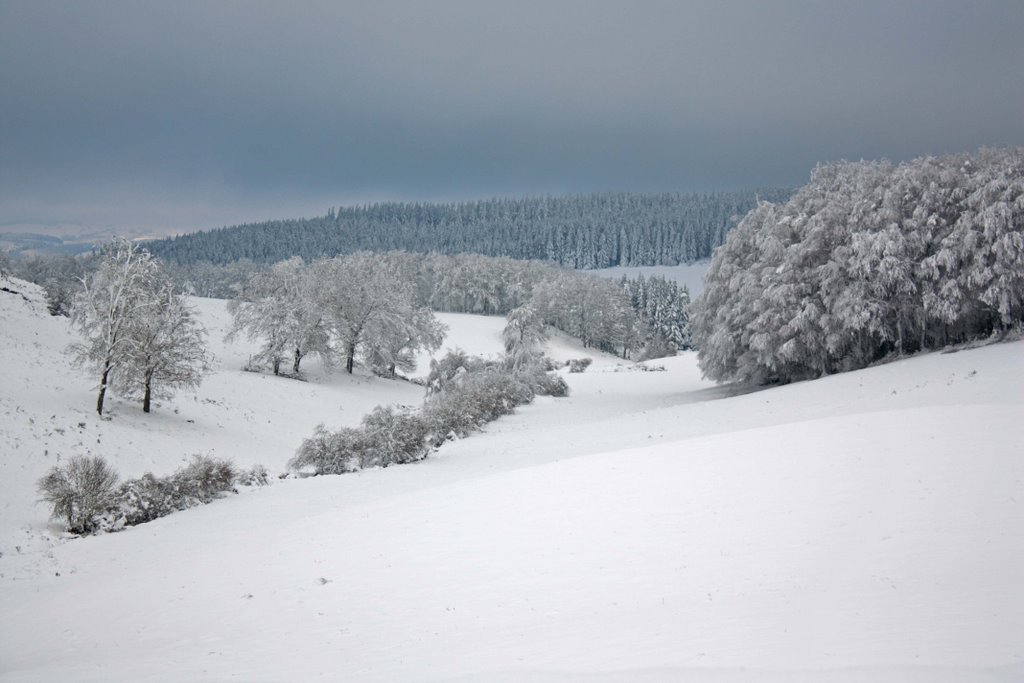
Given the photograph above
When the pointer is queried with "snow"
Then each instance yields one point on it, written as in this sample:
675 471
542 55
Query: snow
689 274
650 527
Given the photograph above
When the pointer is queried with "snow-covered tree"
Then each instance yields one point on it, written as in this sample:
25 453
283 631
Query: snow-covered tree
368 306
283 307
166 349
112 300
394 340
523 335
866 260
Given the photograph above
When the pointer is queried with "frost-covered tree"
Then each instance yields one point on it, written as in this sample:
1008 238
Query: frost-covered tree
112 300
166 349
394 340
868 259
594 310
369 306
283 307
664 305
523 335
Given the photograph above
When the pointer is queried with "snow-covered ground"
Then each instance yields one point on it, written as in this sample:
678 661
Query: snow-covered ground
689 274
652 526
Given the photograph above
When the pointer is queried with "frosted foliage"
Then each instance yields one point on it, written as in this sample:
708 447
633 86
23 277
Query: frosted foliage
167 350
139 336
280 307
351 307
594 310
523 335
866 260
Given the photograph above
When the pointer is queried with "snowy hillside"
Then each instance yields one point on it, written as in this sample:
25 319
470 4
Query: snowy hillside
689 274
652 527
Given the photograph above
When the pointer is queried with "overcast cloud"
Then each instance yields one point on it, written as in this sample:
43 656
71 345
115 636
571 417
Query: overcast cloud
188 115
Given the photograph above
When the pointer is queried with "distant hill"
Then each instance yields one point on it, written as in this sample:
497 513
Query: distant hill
586 231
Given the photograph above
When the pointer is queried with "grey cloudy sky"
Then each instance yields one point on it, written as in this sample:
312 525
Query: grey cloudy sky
188 115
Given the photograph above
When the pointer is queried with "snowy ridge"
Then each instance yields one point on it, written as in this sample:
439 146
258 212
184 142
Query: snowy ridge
650 527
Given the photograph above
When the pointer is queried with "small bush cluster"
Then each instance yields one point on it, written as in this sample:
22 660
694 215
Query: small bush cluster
464 394
85 492
387 436
579 364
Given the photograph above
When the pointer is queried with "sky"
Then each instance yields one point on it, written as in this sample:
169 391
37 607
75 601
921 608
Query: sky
178 116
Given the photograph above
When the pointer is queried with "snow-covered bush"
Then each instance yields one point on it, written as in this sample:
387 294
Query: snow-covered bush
150 497
657 346
464 394
143 500
387 436
450 367
256 475
204 478
473 401
80 491
394 437
329 452
542 382
577 365
85 491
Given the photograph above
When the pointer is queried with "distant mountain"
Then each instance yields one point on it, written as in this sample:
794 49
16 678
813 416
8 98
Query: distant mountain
26 243
585 231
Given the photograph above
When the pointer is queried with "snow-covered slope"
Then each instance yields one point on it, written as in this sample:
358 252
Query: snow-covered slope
863 527
689 274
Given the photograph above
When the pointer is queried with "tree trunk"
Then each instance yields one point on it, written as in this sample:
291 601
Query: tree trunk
350 361
103 389
298 359
277 366
147 397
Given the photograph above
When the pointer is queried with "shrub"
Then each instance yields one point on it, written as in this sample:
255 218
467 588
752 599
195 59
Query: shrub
145 499
85 491
329 452
544 383
579 364
463 395
478 398
257 475
658 346
393 437
450 368
80 491
204 478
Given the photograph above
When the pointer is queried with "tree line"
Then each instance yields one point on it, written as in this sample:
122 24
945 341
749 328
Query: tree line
378 307
346 307
867 260
587 231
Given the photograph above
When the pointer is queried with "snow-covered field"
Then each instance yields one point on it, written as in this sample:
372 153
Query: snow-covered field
651 527
689 274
